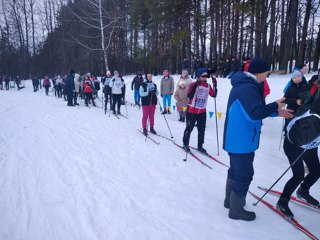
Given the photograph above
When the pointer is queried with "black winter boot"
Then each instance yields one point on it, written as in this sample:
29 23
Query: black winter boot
228 192
236 208
145 132
164 111
152 130
201 149
282 205
303 194
186 148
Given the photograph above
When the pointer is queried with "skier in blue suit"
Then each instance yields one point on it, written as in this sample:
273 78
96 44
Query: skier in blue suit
245 111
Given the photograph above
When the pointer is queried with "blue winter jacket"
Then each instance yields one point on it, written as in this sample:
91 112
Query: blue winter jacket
245 111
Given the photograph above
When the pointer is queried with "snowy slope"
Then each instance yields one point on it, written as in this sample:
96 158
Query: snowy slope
75 173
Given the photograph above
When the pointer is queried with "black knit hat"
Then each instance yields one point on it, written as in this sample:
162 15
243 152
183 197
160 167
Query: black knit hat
258 65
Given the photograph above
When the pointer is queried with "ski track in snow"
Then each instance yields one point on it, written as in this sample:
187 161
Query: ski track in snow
74 173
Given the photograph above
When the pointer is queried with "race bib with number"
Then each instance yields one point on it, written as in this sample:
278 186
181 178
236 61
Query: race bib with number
200 98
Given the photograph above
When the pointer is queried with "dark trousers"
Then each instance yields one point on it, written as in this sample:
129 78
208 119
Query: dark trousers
7 85
116 100
70 97
59 90
241 172
47 89
88 97
192 119
108 97
310 157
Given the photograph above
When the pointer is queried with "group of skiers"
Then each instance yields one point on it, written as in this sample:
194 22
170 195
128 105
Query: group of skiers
71 87
221 68
245 111
5 82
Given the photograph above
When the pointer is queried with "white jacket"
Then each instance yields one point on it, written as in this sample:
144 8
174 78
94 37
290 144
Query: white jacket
116 84
77 82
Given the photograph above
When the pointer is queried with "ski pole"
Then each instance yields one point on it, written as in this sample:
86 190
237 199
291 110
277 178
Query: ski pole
300 155
102 97
125 104
281 136
165 118
215 108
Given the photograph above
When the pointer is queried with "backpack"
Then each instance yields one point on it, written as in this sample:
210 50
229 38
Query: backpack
97 85
304 130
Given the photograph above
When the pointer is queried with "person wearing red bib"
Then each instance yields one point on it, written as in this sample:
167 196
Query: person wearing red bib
198 94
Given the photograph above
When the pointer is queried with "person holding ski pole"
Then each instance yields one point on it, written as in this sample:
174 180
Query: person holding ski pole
107 90
198 94
309 120
245 110
148 92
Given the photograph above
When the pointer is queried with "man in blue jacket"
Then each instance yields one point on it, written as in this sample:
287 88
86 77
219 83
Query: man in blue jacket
245 111
70 88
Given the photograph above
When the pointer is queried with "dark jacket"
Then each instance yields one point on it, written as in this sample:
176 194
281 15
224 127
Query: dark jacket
245 111
294 92
70 83
148 98
235 65
304 129
136 82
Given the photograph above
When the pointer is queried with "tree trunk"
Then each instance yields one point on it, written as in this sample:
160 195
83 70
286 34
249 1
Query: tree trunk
290 36
258 7
302 47
272 31
316 56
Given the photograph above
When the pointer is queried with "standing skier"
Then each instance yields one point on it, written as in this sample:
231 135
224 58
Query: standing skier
46 84
135 85
107 90
181 96
149 100
295 96
198 94
88 89
245 111
116 84
69 87
166 91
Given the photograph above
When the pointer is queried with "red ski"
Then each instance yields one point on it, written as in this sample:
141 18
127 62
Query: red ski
293 198
292 220
194 156
211 157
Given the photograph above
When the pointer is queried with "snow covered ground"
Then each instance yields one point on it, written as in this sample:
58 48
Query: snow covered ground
75 173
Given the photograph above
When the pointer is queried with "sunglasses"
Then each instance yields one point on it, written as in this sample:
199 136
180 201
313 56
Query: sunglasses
204 76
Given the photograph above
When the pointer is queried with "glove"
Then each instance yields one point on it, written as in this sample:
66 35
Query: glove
161 95
214 81
198 82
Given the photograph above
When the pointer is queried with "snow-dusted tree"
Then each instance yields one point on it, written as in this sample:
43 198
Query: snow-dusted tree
97 19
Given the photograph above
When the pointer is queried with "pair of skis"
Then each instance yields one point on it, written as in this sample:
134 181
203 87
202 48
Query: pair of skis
292 221
150 138
193 155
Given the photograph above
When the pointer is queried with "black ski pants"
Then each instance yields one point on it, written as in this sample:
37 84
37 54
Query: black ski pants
107 97
116 100
192 119
310 157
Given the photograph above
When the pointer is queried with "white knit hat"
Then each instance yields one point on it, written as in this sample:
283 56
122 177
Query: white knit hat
296 73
